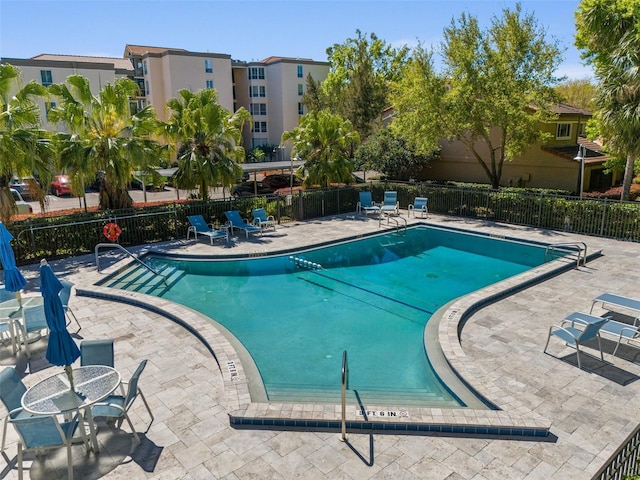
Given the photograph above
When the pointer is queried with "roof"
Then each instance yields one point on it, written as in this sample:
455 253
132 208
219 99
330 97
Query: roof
142 49
594 153
119 63
565 108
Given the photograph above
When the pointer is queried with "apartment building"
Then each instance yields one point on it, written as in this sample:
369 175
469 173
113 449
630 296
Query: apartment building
271 89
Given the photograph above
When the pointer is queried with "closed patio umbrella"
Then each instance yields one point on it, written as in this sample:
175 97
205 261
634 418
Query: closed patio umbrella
13 279
61 349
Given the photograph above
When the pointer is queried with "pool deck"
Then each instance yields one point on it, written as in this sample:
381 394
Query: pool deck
499 351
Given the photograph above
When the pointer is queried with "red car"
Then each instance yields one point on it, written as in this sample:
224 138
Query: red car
61 185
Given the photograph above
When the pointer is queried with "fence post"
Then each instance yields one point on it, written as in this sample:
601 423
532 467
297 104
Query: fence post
540 200
604 216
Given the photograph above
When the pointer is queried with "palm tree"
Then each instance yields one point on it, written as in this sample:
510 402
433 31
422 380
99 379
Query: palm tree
104 135
24 146
325 141
209 140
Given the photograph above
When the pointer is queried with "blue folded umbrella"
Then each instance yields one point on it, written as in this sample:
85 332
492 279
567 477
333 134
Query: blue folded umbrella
61 349
13 279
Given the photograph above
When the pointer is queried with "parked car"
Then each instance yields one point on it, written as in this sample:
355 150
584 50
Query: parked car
61 185
280 181
248 189
24 186
358 179
22 207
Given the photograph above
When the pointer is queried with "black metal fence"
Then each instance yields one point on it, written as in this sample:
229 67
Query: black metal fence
77 234
623 464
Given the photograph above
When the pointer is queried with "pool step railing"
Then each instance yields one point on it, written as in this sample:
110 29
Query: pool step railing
580 248
395 220
127 252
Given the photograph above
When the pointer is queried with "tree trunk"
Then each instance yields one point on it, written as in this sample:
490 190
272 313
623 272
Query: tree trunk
628 176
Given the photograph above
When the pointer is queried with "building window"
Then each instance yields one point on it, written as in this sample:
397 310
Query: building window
300 108
256 142
260 127
48 106
208 66
144 67
300 71
46 77
564 130
209 84
257 91
256 73
258 108
300 89
146 87
582 130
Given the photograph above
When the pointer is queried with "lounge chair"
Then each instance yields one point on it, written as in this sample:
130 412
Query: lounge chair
618 301
568 332
367 205
419 205
236 221
390 205
618 330
262 220
200 227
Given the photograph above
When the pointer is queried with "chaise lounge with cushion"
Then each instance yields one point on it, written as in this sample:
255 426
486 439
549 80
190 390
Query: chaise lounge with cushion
200 227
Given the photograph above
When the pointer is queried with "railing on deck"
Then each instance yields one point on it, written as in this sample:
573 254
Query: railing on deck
624 462
73 235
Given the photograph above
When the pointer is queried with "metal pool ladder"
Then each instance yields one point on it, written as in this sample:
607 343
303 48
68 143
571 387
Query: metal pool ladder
395 220
580 247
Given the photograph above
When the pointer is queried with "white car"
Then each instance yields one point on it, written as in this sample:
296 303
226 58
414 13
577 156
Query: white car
22 207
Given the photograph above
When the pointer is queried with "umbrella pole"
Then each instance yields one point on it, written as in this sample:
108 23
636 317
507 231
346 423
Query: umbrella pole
19 298
69 373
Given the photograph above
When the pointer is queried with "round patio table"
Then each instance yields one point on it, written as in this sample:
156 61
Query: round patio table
53 396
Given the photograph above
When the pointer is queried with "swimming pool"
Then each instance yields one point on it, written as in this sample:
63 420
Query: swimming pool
371 297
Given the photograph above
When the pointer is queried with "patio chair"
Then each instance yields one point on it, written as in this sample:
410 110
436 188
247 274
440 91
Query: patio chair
65 296
618 301
618 330
419 205
236 221
367 205
200 227
97 352
262 220
40 432
115 408
33 320
390 205
575 336
11 391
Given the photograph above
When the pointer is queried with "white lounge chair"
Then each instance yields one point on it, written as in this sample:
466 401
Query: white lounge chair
419 205
262 220
367 205
390 205
200 227
577 336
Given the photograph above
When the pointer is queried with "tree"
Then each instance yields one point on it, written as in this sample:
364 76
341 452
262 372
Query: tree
24 146
325 141
391 155
609 35
357 84
102 134
579 93
209 140
483 96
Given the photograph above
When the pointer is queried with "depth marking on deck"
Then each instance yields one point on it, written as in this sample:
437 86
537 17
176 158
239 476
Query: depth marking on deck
233 371
382 413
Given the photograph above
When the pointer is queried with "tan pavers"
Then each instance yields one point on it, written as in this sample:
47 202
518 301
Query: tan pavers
500 348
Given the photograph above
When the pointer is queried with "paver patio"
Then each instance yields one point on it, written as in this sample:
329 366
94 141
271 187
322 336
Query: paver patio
591 411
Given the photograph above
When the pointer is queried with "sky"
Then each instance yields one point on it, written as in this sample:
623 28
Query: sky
254 30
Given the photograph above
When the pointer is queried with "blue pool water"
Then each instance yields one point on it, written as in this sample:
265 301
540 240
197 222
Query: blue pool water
372 297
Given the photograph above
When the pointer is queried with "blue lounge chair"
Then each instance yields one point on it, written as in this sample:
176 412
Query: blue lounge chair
419 205
200 227
65 296
618 330
367 205
262 220
236 221
390 204
568 332
618 301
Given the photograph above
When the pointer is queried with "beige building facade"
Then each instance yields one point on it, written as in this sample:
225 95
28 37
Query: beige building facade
271 89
